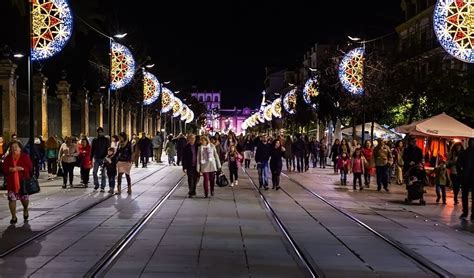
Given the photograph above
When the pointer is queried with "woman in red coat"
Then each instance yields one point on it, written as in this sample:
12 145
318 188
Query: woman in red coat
367 152
86 163
17 166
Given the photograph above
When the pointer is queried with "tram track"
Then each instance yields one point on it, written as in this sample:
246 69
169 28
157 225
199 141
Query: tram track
68 219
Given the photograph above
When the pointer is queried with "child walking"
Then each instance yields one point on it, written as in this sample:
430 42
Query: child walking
234 158
357 168
441 180
110 164
343 166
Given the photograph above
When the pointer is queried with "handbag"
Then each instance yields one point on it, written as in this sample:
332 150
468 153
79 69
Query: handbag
60 172
222 180
29 186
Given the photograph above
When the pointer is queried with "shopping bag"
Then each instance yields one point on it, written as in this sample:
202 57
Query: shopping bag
222 180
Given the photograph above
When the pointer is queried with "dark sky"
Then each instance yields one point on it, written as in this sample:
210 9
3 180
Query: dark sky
225 45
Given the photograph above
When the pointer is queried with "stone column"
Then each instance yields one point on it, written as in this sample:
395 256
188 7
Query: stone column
145 122
122 116
8 93
64 94
84 100
133 120
128 120
41 105
117 126
99 108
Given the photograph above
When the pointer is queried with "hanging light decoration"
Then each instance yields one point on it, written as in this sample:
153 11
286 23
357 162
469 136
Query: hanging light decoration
268 113
351 71
151 88
123 66
177 107
51 27
190 116
184 112
167 99
453 26
310 89
276 108
289 102
244 126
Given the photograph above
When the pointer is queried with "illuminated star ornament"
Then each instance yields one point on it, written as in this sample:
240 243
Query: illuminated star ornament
289 102
151 88
453 23
51 27
123 66
351 71
310 89
167 100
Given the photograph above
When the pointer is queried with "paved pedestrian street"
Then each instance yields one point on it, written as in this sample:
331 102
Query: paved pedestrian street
234 233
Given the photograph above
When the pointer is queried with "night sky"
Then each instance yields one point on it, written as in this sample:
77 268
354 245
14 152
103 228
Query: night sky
222 45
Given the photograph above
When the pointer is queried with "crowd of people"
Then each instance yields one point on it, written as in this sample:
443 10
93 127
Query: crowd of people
110 158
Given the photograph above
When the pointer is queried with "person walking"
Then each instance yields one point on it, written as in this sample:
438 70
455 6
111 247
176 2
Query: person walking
323 153
465 170
110 164
382 159
289 156
180 143
68 153
314 151
17 167
398 161
52 149
99 148
276 164
234 159
145 146
124 162
190 164
262 155
453 156
157 143
367 152
208 164
135 150
335 154
248 150
306 152
298 150
441 180
343 164
357 168
86 162
170 150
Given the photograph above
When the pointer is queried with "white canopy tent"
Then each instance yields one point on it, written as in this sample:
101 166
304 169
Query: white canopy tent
442 125
379 131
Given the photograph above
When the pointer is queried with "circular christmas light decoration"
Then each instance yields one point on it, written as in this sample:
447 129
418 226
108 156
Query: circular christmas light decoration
289 102
276 108
261 116
268 113
244 126
151 88
184 112
51 22
167 100
351 71
177 107
190 116
310 89
123 66
454 28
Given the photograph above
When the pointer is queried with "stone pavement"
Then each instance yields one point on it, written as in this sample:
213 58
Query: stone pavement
433 231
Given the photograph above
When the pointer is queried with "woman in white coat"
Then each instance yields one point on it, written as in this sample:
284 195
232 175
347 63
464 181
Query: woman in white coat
208 163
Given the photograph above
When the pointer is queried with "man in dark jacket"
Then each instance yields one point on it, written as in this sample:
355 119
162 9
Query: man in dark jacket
180 143
190 163
99 148
299 152
262 155
412 155
145 146
465 168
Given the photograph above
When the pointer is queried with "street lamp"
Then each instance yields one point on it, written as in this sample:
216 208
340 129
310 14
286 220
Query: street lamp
18 55
120 36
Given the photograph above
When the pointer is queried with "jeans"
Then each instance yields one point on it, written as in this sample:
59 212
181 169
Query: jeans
262 168
456 187
343 176
85 175
209 180
144 161
441 192
170 159
290 163
179 157
322 161
98 164
68 169
367 176
192 180
357 177
276 180
314 159
300 163
52 166
382 176
233 173
111 179
306 163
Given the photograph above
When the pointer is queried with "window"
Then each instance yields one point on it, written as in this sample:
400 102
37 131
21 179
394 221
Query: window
208 99
201 98
216 99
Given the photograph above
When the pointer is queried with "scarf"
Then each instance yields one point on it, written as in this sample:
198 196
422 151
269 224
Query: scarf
16 174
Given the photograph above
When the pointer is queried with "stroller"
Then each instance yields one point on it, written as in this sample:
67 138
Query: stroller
416 180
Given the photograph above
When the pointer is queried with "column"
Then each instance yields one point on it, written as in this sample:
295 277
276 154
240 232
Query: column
128 124
41 105
145 122
117 126
99 108
8 93
64 94
122 127
133 119
84 100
